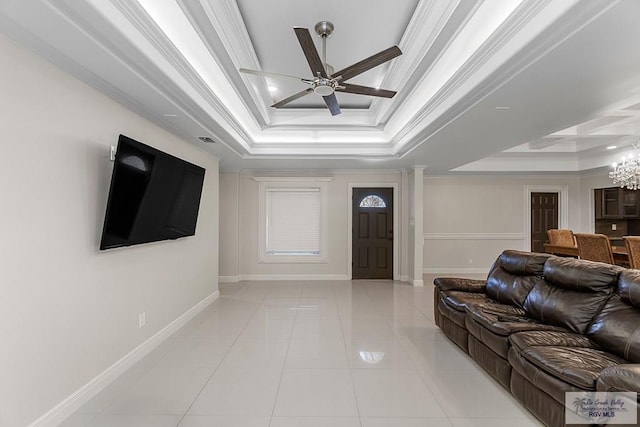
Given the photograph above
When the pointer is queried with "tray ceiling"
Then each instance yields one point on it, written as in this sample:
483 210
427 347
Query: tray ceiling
480 84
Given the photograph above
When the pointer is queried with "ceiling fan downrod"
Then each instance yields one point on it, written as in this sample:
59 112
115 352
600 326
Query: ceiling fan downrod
324 29
324 86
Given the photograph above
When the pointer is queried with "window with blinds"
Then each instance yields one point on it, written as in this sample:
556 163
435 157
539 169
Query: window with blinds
293 217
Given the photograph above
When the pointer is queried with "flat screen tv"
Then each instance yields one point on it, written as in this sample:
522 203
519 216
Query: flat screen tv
153 196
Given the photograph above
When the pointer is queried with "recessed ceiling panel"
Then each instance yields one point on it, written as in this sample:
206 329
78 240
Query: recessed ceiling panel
362 28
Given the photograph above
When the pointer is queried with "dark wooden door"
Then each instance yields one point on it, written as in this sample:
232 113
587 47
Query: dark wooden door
544 215
372 233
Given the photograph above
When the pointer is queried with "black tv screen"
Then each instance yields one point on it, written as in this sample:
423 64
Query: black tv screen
153 196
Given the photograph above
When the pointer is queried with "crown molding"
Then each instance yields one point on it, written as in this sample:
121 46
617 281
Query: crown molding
292 178
222 30
427 23
152 33
519 164
101 33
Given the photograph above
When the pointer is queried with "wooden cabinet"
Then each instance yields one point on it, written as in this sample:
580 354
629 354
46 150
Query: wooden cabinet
617 203
630 204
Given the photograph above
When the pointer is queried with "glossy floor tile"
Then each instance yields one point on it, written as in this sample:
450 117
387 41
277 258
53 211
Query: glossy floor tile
238 391
316 392
399 393
315 422
308 353
223 421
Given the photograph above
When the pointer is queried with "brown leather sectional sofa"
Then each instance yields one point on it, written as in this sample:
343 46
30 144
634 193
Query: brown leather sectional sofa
543 325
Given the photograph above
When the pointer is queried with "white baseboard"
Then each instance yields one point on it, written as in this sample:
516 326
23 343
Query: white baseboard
81 396
416 282
404 278
456 270
228 279
284 277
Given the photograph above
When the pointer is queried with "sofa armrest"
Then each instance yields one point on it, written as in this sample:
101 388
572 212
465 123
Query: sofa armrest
620 378
460 284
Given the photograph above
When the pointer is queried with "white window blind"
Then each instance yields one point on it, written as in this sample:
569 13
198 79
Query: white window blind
293 221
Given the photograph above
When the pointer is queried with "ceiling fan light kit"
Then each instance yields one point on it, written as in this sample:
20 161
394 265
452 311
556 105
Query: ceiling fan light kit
326 81
324 87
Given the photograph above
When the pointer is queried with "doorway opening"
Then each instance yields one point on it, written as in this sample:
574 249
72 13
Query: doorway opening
544 216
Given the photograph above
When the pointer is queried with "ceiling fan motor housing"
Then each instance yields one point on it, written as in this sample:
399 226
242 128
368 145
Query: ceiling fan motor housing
324 87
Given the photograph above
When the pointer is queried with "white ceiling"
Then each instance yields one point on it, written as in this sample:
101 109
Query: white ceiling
531 85
277 48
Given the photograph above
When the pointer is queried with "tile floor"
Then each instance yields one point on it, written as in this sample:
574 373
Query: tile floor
312 354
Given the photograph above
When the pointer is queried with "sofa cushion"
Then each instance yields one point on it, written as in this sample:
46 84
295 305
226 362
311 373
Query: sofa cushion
629 287
513 275
620 378
506 324
493 323
572 293
522 340
493 307
549 384
578 366
581 275
498 343
446 311
523 263
459 284
458 300
617 329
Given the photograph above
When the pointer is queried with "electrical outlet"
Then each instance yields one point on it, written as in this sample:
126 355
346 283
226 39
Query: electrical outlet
142 319
614 227
112 152
470 261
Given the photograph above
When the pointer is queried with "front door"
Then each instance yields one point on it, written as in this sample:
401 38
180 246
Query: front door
544 216
372 233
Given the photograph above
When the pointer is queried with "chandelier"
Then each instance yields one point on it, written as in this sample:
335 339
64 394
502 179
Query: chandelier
627 173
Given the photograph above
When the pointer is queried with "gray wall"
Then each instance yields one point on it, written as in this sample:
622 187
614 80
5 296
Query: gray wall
469 220
69 311
239 227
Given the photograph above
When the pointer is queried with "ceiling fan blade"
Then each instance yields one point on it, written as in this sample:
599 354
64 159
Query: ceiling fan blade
332 104
274 75
368 63
366 90
310 51
292 98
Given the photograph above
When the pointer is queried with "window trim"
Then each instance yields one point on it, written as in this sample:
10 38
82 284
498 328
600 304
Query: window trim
296 183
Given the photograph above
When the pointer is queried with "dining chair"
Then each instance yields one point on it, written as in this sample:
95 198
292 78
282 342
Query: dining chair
633 249
561 237
594 247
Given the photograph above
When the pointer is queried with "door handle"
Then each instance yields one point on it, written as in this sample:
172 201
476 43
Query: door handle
390 235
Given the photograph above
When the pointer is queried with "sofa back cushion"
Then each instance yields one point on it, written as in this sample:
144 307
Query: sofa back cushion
617 327
629 287
513 275
572 293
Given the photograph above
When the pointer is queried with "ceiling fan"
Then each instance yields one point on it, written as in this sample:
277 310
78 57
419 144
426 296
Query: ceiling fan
326 81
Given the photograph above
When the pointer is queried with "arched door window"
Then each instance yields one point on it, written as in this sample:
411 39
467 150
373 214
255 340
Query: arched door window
372 201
